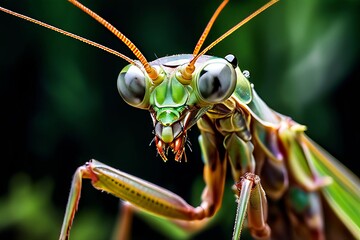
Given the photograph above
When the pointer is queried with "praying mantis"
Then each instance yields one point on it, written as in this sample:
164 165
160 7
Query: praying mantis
265 120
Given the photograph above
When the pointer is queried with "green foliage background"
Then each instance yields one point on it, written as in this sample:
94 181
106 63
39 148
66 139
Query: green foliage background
60 106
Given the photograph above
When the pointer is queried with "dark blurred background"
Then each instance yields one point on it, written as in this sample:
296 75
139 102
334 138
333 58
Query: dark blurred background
60 106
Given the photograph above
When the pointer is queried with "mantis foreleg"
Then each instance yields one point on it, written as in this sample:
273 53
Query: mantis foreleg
140 193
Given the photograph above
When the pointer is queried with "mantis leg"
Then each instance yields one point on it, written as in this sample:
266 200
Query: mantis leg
124 222
148 197
253 200
141 194
214 177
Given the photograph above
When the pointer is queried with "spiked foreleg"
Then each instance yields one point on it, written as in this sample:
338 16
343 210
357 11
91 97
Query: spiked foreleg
151 198
252 197
252 200
240 152
140 193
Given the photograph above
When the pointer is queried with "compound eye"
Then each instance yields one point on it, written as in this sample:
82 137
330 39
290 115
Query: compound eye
131 85
216 82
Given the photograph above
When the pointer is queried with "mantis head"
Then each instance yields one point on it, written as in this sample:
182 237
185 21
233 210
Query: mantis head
176 105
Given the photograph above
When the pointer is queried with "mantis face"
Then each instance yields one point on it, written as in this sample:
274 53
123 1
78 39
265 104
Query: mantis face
176 106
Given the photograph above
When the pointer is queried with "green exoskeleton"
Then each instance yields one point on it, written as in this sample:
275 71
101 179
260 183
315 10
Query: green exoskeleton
278 171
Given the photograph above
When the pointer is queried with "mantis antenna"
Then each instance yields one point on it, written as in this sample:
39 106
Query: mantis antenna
48 26
189 69
186 72
208 27
185 77
151 71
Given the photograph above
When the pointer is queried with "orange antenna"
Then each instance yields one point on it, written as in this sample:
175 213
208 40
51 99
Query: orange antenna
208 27
189 69
67 34
185 73
150 70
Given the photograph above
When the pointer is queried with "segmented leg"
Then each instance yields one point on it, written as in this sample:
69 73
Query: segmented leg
252 200
147 196
124 222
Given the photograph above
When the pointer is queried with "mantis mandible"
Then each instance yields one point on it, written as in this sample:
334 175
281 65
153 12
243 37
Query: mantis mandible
238 130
